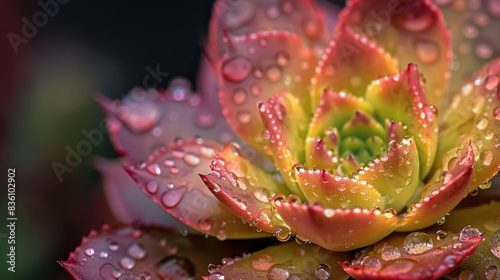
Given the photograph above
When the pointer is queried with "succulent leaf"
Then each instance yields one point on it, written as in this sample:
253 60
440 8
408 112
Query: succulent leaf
244 189
349 64
128 202
418 255
170 178
474 117
412 31
336 229
129 252
145 120
247 17
402 97
285 261
440 197
474 26
485 261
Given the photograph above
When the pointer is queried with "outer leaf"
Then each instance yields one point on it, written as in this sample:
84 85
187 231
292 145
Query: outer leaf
286 261
401 97
483 264
336 229
415 256
474 117
246 17
413 31
474 26
129 204
129 252
170 178
244 188
144 120
349 64
440 197
255 68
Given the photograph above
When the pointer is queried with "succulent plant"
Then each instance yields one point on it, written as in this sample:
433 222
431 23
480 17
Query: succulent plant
361 143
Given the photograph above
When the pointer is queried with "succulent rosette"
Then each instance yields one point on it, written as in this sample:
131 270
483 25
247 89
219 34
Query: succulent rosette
360 142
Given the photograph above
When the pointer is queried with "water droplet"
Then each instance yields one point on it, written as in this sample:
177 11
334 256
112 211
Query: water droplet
171 198
152 186
481 19
154 169
496 113
278 272
127 263
483 50
414 23
323 271
204 119
491 82
417 243
89 252
282 59
398 266
136 251
109 272
240 203
221 235
389 252
311 28
205 224
486 157
441 234
239 96
283 233
441 221
216 187
216 276
273 73
192 159
328 212
482 124
244 117
140 117
470 234
427 51
236 69
262 262
371 262
113 246
495 244
390 212
261 194
103 254
175 268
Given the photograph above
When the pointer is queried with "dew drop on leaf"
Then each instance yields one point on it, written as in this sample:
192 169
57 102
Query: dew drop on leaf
136 251
389 252
278 272
323 271
262 262
236 69
417 243
127 263
175 268
495 244
470 234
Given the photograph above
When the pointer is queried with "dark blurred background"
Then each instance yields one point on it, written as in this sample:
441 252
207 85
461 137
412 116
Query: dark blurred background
47 87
